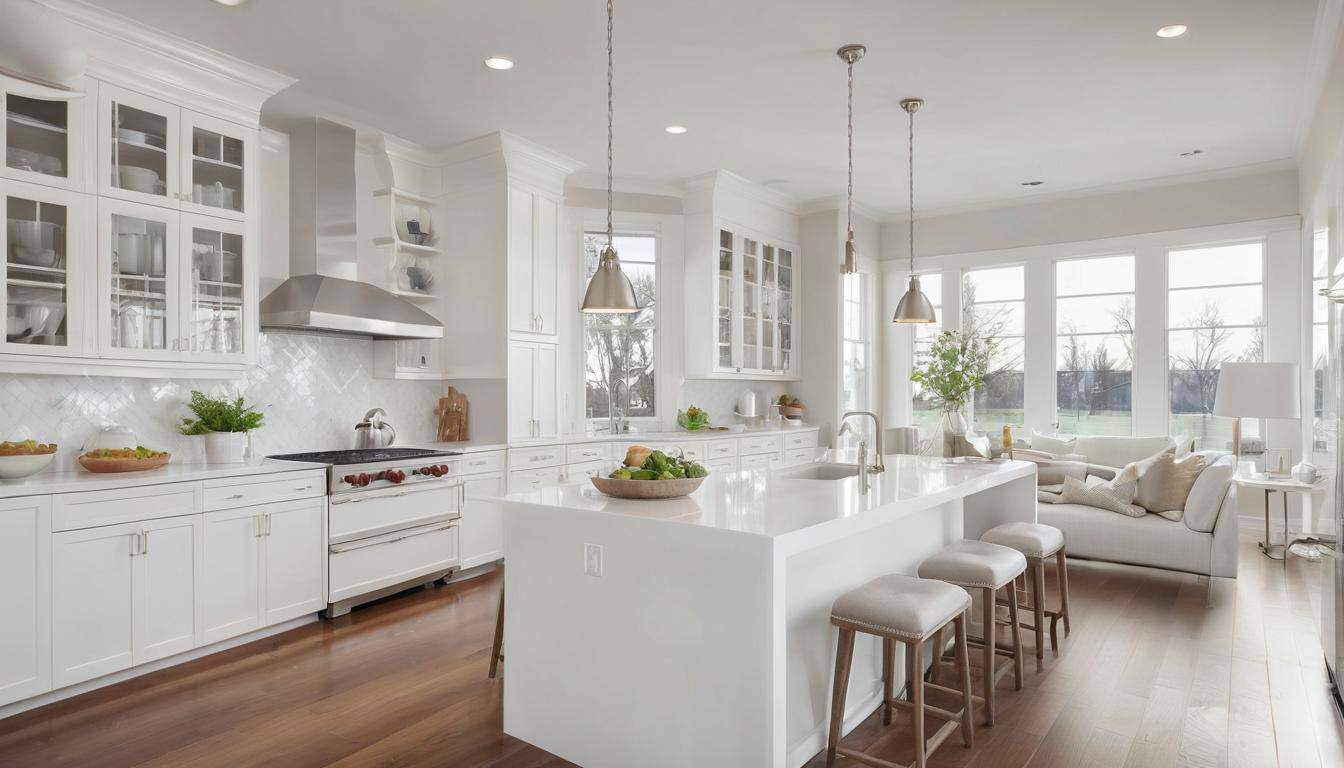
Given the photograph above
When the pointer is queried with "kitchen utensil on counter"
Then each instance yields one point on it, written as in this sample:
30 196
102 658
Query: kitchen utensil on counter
112 437
452 413
647 489
374 431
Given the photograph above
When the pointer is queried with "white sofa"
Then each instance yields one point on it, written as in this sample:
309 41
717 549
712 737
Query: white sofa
1098 534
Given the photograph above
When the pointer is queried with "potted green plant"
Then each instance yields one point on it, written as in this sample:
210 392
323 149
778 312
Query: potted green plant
955 365
225 424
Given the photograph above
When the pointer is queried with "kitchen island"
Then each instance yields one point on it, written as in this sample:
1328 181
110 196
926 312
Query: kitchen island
699 633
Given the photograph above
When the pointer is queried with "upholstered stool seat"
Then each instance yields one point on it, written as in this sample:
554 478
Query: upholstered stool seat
976 564
1036 542
906 610
987 568
1031 539
903 606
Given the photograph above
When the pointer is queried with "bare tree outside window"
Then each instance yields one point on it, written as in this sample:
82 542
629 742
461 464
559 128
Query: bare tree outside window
619 349
1094 311
993 309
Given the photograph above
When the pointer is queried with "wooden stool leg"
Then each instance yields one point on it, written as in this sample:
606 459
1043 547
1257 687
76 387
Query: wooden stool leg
916 650
1062 571
1017 636
844 653
964 667
497 650
1038 603
939 643
888 677
987 616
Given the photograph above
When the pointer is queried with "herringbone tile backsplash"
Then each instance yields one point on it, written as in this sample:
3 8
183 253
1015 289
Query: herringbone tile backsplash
312 388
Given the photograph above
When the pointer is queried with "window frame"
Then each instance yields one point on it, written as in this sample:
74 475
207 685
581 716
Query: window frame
618 231
962 307
1055 335
866 328
913 341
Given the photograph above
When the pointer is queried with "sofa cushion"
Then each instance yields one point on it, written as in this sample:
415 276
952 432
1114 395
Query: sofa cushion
1149 540
1165 483
1112 451
1102 494
1055 444
1206 495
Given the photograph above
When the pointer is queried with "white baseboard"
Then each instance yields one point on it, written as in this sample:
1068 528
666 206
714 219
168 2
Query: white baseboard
814 741
153 666
471 573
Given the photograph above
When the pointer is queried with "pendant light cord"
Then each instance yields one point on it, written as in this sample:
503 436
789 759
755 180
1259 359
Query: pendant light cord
912 190
610 15
849 193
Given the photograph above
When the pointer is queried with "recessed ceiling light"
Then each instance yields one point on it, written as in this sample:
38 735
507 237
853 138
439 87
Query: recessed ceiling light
1032 183
1192 152
1171 30
675 130
230 2
499 62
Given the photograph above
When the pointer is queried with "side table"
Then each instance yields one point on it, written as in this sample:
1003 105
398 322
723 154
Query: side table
1283 485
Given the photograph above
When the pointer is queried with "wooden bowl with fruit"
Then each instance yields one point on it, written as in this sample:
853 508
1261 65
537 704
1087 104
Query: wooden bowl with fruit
137 459
24 458
791 407
650 474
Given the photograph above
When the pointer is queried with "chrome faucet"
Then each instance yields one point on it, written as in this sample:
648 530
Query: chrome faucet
878 465
845 428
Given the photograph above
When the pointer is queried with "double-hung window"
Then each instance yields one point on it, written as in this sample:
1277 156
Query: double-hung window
1094 345
1320 341
925 409
619 350
993 302
856 360
1215 314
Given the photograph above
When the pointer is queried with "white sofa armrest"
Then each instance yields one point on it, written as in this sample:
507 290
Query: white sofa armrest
1223 558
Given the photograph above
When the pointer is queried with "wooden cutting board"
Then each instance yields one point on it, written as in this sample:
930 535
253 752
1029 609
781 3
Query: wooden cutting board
452 414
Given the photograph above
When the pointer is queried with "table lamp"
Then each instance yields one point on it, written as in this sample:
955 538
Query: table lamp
1257 391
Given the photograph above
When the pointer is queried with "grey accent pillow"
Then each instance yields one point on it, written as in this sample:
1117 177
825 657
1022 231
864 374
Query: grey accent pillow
1205 500
1165 481
1114 495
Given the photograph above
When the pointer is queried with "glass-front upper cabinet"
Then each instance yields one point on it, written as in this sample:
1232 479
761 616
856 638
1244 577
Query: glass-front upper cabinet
44 240
783 309
215 311
755 305
725 323
139 289
42 139
215 157
138 147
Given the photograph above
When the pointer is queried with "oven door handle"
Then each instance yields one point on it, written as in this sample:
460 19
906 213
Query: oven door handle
392 493
337 549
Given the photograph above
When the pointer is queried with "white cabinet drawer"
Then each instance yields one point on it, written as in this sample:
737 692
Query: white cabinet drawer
74 511
247 491
799 456
805 440
366 565
533 458
528 479
357 516
721 465
577 472
760 444
480 463
720 449
760 461
577 454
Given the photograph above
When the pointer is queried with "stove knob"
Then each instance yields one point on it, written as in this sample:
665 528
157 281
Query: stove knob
436 471
363 478
445 469
396 476
349 479
423 470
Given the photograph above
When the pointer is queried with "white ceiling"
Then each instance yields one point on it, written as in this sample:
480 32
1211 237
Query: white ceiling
1078 93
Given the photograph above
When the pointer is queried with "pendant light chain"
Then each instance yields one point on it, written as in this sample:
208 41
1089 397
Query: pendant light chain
849 199
912 190
610 109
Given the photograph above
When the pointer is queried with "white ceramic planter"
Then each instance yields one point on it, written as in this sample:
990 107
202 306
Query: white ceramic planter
225 447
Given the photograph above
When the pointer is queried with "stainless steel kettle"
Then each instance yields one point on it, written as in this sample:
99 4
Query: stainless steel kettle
373 431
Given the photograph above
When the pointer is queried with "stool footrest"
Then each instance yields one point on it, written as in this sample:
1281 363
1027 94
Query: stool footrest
876 762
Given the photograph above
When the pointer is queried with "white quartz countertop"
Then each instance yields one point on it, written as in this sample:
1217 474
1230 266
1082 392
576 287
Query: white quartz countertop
660 436
47 481
777 503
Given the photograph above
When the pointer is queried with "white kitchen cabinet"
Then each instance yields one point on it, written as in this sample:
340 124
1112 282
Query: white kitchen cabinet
138 153
294 559
216 266
140 288
25 589
217 158
92 604
481 526
531 479
533 247
44 139
533 412
165 595
48 265
230 596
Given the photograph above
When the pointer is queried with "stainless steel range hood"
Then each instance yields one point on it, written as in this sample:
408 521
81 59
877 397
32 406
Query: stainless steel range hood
323 293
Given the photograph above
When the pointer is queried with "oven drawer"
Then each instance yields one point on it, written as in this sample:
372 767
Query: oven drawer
579 454
480 463
535 458
364 565
360 515
761 444
245 492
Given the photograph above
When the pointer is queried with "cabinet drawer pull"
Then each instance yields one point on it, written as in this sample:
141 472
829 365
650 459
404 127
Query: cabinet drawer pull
236 496
304 488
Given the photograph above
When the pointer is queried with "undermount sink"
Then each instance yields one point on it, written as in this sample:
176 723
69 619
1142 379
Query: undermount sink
821 471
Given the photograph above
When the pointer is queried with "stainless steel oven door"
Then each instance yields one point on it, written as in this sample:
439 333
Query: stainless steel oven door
370 513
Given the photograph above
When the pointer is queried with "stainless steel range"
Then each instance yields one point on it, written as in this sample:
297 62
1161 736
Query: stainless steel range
392 520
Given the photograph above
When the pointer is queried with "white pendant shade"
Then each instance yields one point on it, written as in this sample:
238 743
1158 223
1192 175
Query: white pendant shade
609 291
914 306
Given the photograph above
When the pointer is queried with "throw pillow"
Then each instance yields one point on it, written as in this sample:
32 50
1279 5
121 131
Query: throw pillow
1165 481
1110 495
1051 444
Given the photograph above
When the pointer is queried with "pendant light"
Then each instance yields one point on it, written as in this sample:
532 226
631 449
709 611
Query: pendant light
850 54
914 306
609 291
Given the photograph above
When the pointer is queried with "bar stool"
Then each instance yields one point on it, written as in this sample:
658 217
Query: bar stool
901 609
988 568
1036 542
497 649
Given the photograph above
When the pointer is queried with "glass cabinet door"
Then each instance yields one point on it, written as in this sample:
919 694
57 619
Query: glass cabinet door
215 159
139 294
138 154
41 292
784 309
751 302
214 291
41 139
726 321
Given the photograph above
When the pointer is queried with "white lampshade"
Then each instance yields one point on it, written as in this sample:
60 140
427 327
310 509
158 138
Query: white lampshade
1258 391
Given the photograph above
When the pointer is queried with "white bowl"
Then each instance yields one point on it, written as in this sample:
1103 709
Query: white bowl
138 179
15 467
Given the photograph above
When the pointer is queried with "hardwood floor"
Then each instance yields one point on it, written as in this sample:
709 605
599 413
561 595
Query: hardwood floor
1149 677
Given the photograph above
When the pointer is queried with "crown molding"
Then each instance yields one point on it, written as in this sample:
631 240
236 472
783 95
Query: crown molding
1217 174
632 186
128 52
722 180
